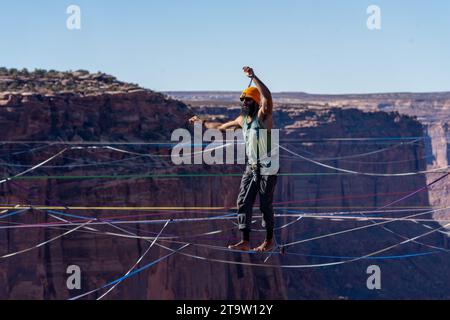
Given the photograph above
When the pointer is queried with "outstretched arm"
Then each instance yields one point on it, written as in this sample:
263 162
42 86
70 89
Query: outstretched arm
220 126
266 99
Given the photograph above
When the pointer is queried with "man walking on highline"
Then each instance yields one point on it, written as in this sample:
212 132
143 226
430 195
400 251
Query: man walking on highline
256 114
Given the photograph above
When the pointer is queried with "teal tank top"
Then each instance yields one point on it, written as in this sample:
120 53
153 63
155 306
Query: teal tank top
257 144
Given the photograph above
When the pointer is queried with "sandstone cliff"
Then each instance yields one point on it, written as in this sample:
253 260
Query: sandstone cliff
124 180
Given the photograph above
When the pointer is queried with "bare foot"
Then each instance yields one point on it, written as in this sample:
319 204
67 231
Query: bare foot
267 245
241 246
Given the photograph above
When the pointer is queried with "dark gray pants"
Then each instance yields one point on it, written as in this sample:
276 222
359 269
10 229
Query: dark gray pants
252 183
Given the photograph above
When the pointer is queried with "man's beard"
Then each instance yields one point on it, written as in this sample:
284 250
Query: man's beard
249 110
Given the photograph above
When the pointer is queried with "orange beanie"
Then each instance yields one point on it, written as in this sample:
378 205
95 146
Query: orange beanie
251 92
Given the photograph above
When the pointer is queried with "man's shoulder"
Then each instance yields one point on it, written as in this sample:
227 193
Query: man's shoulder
264 118
239 120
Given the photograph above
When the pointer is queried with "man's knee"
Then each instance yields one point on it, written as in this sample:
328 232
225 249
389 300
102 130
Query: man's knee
240 202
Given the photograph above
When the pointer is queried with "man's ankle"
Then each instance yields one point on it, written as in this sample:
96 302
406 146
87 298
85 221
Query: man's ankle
246 235
269 235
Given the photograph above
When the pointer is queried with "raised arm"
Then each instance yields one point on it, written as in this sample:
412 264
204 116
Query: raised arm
266 99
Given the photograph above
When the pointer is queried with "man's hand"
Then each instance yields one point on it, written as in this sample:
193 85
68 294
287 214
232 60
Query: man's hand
195 119
249 72
266 101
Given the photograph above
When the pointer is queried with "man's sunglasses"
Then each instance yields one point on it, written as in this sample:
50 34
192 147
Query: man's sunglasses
246 99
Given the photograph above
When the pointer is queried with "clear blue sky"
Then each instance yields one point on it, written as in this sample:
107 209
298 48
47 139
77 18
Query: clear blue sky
316 46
